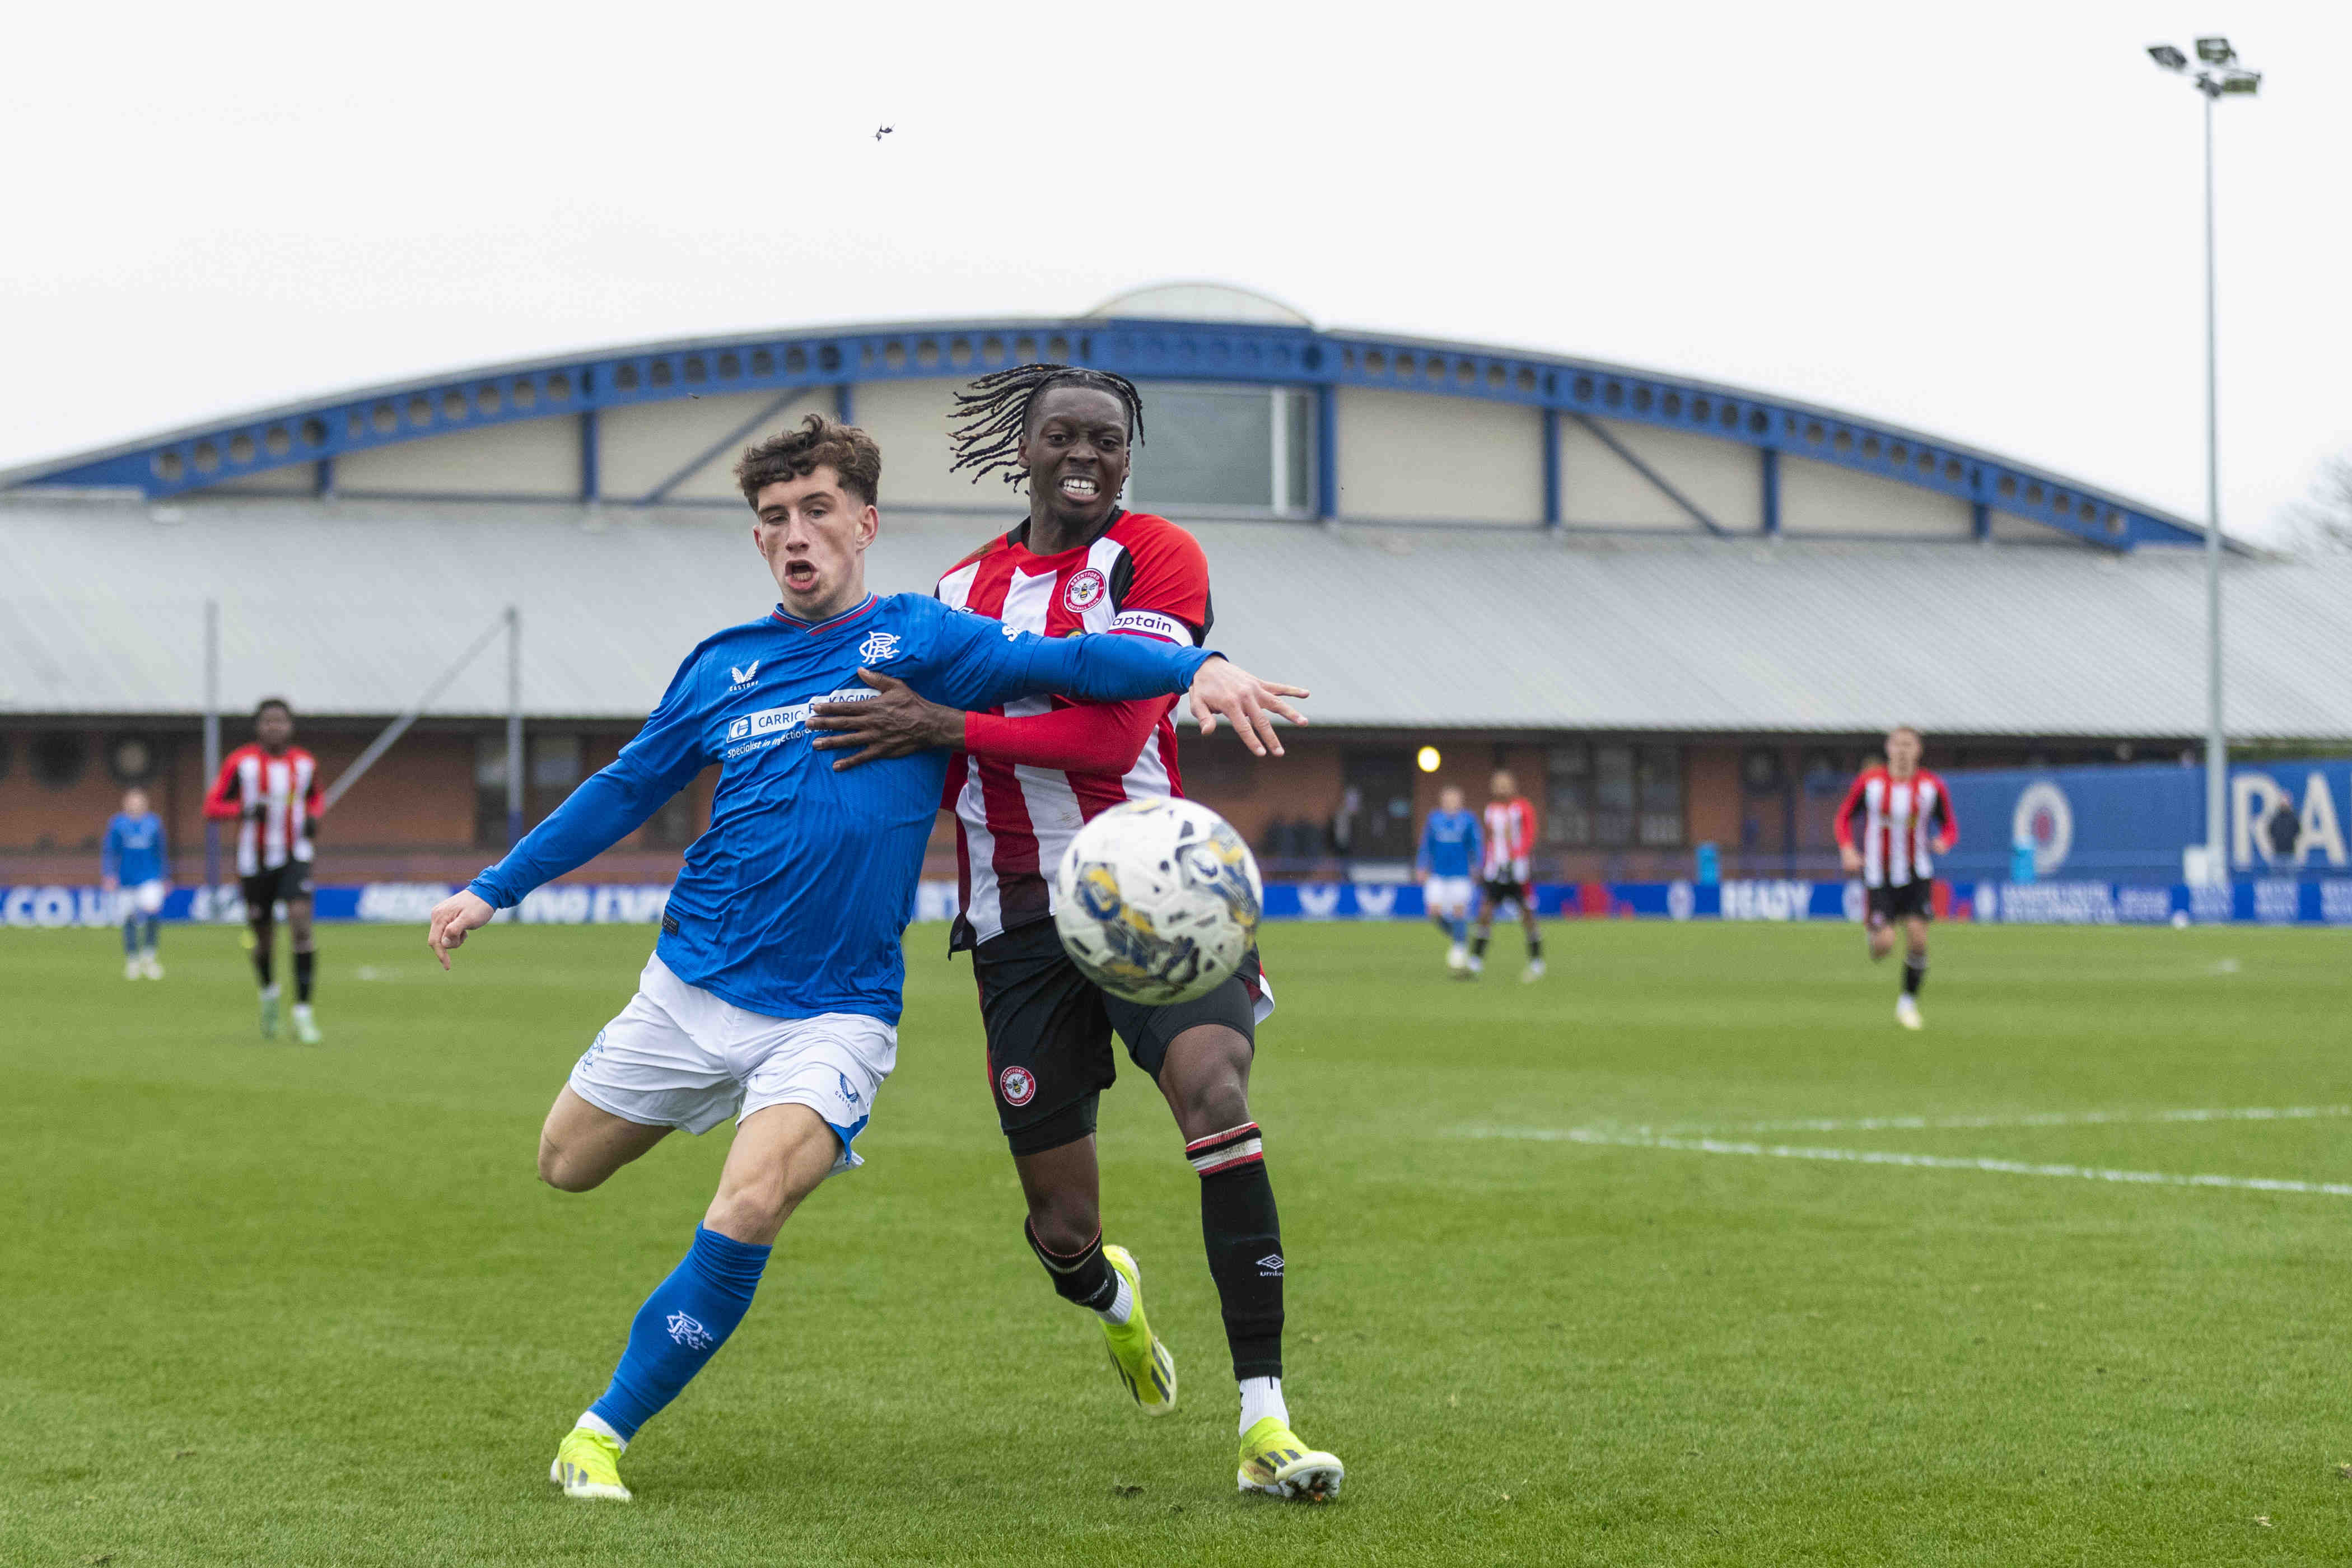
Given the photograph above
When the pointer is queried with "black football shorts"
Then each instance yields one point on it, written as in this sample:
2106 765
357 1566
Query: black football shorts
1049 1029
1913 901
1501 892
264 888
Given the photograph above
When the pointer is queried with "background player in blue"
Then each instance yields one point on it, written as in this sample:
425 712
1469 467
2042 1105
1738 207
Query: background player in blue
773 993
132 863
1449 855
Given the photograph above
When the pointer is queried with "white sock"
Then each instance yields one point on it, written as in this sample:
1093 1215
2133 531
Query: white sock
595 1422
1262 1398
301 1009
1122 1306
270 989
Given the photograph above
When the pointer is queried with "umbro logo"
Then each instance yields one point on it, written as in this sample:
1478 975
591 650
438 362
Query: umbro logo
1270 1266
879 648
744 673
690 1334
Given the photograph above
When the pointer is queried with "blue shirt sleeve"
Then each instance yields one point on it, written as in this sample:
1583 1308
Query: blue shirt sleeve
612 803
109 852
1428 837
162 843
1477 848
979 663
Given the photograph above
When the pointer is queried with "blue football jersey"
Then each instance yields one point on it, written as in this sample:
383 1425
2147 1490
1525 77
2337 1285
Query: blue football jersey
794 901
134 850
1449 843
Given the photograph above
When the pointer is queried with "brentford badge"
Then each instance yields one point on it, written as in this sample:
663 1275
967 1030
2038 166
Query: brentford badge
1084 587
1017 1085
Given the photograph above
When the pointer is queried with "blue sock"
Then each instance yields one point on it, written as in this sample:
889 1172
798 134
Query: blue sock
149 929
131 937
1460 926
681 1326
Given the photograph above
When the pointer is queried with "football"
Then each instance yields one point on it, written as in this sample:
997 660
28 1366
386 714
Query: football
1157 900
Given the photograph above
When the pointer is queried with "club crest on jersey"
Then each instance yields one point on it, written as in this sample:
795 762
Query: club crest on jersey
1086 585
879 648
1018 1085
744 673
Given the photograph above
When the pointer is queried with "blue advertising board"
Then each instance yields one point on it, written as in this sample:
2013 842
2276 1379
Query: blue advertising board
2263 901
2132 823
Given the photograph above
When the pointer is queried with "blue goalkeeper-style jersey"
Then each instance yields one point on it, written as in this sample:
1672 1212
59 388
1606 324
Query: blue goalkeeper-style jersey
794 901
134 850
1449 843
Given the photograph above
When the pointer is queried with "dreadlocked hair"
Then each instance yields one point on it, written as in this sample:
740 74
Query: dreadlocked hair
992 414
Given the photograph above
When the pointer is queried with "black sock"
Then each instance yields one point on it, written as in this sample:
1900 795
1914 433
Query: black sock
305 961
1441 922
1244 1235
1535 947
1478 945
261 951
1085 1278
1914 973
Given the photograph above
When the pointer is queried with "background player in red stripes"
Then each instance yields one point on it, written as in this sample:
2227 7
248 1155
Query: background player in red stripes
1031 772
1896 806
270 788
1506 871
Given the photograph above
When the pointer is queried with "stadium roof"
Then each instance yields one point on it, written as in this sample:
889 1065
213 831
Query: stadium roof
355 607
1203 332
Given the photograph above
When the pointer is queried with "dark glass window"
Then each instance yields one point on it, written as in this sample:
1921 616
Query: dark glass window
1247 449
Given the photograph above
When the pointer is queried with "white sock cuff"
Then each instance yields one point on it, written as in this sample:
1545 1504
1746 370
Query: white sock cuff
1262 1398
1122 1306
595 1422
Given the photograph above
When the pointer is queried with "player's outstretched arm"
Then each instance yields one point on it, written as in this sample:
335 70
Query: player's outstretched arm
1224 688
1089 738
453 917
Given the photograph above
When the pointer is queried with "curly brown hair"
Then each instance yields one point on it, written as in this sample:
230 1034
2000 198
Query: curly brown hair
798 451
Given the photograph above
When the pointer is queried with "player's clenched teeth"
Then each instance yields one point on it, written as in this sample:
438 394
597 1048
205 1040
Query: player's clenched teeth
1078 487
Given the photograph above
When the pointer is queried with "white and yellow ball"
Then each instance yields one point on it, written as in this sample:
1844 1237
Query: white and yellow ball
1158 900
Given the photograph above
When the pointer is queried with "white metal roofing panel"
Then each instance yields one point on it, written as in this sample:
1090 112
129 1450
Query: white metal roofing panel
355 607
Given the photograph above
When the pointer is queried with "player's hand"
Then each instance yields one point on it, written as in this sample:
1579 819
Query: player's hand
453 917
1850 858
1944 845
894 722
1247 703
108 884
257 812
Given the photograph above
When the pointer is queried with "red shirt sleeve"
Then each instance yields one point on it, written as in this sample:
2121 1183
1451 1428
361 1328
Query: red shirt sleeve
315 804
1847 809
1077 738
1170 578
1950 824
224 801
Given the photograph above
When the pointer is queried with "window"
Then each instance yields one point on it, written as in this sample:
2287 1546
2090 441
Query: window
1614 796
551 772
1375 817
1220 448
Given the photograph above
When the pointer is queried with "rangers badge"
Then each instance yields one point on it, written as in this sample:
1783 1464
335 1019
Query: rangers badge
1086 585
1017 1085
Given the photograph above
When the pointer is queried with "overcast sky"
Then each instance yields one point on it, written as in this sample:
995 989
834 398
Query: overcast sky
1982 222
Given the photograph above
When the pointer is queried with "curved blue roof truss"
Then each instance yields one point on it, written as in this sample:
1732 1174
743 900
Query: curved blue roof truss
311 433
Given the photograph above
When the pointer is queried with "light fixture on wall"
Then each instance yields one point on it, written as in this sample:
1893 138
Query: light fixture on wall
1428 760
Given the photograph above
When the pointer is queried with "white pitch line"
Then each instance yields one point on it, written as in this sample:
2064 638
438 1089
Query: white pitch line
1588 1135
2046 1119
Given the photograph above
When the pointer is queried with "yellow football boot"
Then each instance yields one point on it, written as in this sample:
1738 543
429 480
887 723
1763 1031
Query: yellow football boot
1143 1362
588 1465
1273 1461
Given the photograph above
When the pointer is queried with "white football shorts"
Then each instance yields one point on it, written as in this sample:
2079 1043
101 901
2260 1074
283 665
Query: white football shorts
1446 895
147 897
679 1057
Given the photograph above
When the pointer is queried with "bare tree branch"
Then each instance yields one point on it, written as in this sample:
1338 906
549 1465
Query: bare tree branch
2321 523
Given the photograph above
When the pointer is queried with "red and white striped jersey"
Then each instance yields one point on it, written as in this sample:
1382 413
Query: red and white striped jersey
1900 821
1510 839
1142 576
284 787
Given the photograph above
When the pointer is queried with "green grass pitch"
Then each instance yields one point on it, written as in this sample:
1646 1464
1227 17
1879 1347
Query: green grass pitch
266 1305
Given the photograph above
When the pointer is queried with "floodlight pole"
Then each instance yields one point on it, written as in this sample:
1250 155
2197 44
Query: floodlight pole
514 726
2217 743
211 738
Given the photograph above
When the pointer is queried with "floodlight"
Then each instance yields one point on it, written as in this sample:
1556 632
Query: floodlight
2167 57
2215 51
2247 82
1428 760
